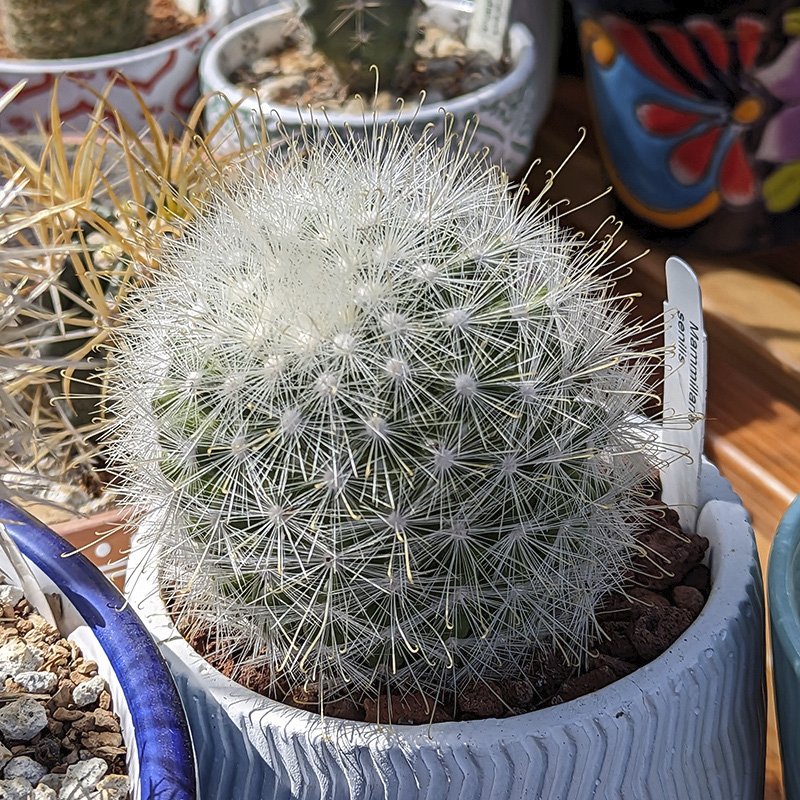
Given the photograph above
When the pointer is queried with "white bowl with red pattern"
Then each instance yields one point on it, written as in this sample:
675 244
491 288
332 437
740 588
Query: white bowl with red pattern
164 73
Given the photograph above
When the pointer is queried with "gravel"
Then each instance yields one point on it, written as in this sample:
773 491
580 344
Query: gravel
37 682
26 768
22 719
17 656
59 738
88 692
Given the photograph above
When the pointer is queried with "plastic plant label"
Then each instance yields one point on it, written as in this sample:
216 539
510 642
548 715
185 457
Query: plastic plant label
685 379
29 584
193 7
488 27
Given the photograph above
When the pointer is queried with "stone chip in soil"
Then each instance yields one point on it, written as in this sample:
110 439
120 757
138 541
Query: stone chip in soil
59 737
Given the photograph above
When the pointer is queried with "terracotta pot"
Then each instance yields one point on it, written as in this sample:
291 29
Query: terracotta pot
103 538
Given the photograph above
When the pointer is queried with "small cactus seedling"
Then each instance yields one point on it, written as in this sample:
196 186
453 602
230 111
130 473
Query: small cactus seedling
384 418
73 28
354 35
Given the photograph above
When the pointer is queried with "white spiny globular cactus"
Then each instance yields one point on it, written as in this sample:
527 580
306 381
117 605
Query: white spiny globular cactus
384 419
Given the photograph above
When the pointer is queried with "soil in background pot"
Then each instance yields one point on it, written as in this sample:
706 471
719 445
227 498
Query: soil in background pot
298 75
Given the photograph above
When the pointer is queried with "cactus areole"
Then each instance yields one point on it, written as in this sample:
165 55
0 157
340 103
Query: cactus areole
357 35
383 418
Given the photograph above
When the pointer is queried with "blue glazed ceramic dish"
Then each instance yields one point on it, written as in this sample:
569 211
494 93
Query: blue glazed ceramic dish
160 756
784 614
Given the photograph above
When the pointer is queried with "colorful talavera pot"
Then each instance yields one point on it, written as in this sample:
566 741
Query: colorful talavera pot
697 111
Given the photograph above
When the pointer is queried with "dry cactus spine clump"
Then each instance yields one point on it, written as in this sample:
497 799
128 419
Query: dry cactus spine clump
78 240
385 419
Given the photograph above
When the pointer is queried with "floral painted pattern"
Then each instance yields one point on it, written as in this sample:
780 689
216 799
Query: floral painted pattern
695 117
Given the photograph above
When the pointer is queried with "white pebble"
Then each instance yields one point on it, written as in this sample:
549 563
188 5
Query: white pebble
53 780
22 719
87 692
17 656
74 791
37 682
42 792
15 789
25 768
10 595
82 777
114 787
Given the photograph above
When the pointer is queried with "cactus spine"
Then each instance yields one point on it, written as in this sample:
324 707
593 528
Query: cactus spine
384 419
356 34
73 28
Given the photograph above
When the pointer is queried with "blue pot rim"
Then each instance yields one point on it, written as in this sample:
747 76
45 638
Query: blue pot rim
784 594
163 742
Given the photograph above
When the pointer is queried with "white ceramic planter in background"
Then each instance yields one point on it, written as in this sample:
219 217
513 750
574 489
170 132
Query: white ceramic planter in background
541 17
688 726
164 73
509 109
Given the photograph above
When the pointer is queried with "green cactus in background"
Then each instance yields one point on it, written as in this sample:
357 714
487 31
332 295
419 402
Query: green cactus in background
73 28
385 420
354 35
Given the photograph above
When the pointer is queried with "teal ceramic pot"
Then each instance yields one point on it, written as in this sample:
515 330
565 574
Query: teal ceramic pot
784 614
696 108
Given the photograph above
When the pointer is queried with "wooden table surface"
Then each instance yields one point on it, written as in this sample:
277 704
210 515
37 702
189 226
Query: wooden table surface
752 311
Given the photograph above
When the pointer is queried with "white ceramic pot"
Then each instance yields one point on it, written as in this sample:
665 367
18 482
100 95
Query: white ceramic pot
509 109
164 73
688 726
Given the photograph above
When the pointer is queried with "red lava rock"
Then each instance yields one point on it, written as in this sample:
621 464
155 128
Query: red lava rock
303 696
410 709
645 598
657 629
344 709
517 693
590 681
699 577
618 666
481 701
668 558
618 643
689 598
257 679
547 674
615 606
